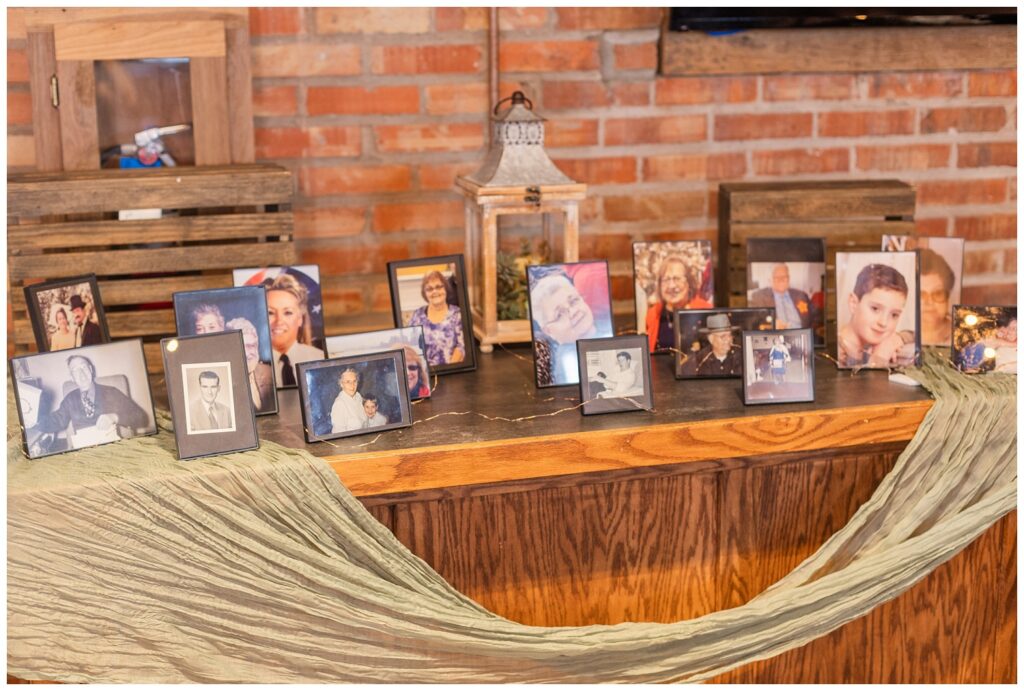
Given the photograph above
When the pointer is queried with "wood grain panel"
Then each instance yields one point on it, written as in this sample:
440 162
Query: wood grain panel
23 19
45 117
79 131
39 194
835 233
764 51
210 124
155 260
840 201
33 238
128 40
637 551
239 76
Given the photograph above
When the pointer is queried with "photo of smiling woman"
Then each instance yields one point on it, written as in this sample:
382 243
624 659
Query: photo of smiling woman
877 316
567 302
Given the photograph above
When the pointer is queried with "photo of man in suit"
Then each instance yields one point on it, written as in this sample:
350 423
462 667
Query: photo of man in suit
206 413
88 332
793 308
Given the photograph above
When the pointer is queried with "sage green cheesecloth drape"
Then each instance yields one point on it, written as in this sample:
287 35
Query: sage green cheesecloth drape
125 565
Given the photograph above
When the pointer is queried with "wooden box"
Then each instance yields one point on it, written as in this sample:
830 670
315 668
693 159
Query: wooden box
852 215
65 224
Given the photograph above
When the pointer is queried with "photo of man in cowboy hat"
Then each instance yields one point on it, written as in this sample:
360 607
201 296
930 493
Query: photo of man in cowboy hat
721 356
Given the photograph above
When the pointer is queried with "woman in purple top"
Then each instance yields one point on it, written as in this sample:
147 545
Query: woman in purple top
441 322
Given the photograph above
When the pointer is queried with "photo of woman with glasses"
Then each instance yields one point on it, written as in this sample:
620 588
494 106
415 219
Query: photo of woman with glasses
670 276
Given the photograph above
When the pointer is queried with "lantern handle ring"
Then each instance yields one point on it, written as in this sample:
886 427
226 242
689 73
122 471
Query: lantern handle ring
517 97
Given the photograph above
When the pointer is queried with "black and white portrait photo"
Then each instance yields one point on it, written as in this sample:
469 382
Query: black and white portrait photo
208 411
91 396
615 374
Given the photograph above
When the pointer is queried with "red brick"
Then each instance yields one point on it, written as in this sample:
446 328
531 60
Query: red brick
446 99
710 234
763 126
605 245
310 142
712 204
982 262
333 222
356 258
865 123
800 161
358 100
365 179
990 294
600 171
21 152
695 167
305 60
271 101
986 154
574 95
915 85
988 119
269 21
808 87
1010 262
908 157
548 56
461 18
17 66
19 107
606 18
439 247
453 137
991 227
443 59
441 176
390 218
568 132
372 20
962 192
631 94
510 18
932 227
636 56
654 207
693 90
664 130
998 83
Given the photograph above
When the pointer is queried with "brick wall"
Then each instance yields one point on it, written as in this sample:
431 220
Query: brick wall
376 111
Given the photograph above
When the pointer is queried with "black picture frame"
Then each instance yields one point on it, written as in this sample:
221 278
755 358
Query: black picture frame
849 268
760 385
320 391
248 303
412 342
455 285
101 332
598 355
810 251
648 259
44 381
187 360
690 326
557 364
980 333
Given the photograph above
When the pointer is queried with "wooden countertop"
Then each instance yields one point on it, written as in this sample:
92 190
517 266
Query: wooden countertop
694 421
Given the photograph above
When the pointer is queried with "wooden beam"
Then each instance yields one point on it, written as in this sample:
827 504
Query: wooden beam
128 40
240 127
210 124
79 130
42 66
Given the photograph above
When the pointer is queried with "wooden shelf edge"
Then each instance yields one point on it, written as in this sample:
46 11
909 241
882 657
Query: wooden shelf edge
370 474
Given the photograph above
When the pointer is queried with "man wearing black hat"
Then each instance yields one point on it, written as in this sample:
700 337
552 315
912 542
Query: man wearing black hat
720 358
88 332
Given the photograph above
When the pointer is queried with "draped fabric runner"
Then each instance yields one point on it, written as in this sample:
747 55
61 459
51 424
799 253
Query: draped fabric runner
125 565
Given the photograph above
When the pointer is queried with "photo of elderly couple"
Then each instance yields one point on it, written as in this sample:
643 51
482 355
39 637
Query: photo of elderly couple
67 313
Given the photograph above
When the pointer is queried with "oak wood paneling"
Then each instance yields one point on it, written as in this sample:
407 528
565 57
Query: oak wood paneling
137 40
210 124
79 131
45 116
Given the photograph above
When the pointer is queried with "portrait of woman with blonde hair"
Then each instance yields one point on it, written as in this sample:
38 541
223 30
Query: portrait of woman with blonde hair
291 334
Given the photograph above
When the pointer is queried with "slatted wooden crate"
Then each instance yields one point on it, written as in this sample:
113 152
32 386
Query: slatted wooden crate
852 215
65 224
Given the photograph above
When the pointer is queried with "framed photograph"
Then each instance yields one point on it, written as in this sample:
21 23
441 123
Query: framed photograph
347 396
876 306
567 302
409 339
788 274
709 340
199 312
431 293
67 313
615 374
670 276
984 339
91 396
295 310
942 270
778 366
208 391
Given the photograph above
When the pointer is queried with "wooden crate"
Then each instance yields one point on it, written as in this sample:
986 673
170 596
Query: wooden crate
852 215
65 224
